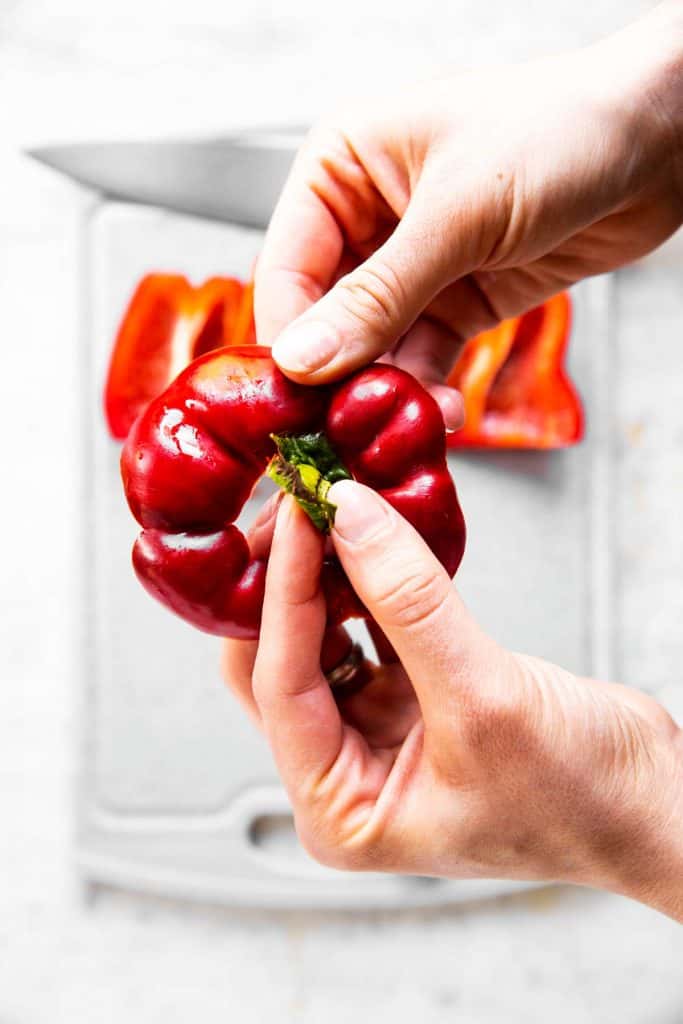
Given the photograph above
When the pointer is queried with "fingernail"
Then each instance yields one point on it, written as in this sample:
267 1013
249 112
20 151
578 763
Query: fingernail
360 512
306 346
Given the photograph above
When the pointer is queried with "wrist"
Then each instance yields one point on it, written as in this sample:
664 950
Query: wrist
650 865
664 83
645 64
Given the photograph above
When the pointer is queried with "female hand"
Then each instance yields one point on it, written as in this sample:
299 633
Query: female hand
459 758
411 223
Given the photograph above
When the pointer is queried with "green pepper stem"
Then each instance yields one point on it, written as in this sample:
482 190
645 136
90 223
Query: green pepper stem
306 466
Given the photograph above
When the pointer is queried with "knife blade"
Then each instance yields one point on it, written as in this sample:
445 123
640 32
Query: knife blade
235 178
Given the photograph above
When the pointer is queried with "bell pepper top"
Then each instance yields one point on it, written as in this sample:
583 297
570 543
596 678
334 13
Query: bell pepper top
306 467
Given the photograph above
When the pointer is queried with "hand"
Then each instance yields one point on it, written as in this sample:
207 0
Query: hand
459 758
410 224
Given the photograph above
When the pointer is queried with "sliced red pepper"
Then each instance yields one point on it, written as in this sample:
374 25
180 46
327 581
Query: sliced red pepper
516 390
167 324
191 461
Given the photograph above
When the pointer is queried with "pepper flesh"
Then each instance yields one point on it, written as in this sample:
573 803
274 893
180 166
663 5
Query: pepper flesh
515 388
192 459
167 324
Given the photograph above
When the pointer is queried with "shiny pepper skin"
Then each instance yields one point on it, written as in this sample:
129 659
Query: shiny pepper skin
192 459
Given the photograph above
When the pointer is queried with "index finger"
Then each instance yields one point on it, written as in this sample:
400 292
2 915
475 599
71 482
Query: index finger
302 250
297 708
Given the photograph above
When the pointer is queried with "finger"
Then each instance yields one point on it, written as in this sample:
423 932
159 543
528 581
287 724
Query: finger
239 656
410 596
298 710
301 253
260 533
428 351
237 665
363 315
465 308
369 309
451 404
383 649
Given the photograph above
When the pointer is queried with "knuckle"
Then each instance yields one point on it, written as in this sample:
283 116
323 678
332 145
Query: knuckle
324 147
413 600
321 136
328 124
331 126
373 295
278 685
334 851
318 848
342 830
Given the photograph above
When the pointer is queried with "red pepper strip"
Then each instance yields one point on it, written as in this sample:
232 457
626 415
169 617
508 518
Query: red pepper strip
193 458
168 322
516 391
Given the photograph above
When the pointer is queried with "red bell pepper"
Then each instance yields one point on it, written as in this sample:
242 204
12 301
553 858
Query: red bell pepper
167 324
514 385
192 459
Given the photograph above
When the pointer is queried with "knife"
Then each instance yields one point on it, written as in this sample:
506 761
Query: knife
235 178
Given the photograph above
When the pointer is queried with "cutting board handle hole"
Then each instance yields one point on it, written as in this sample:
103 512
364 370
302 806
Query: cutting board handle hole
275 833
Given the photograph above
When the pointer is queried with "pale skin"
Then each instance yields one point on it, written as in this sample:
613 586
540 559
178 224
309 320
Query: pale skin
406 227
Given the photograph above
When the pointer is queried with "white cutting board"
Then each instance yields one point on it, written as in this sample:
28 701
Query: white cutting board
178 792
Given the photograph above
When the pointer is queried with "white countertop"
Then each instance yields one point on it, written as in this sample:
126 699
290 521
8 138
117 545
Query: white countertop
131 69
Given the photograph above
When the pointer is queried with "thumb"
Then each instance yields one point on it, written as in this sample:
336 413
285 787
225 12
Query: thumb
369 309
410 596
